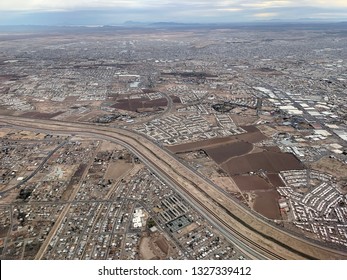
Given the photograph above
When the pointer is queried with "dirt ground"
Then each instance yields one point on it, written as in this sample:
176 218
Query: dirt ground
154 247
245 119
211 119
136 104
61 172
89 116
188 229
4 132
108 146
146 251
268 131
266 204
253 136
268 161
163 245
332 166
224 152
226 183
253 182
39 115
25 135
117 169
275 180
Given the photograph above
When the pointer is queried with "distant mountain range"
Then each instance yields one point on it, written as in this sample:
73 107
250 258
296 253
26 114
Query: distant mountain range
275 24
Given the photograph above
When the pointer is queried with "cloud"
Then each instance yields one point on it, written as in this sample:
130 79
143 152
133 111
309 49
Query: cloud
116 11
32 5
266 15
267 4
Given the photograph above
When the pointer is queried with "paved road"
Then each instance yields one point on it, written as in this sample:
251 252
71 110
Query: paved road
200 192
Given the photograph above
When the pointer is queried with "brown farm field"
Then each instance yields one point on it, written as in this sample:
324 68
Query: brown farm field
266 196
275 180
253 182
266 161
135 105
39 115
237 156
224 152
266 204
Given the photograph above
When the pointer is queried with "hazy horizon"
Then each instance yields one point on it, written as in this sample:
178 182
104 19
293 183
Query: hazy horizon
112 12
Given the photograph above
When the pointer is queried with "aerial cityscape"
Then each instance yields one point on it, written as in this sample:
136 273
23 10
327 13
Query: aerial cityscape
171 141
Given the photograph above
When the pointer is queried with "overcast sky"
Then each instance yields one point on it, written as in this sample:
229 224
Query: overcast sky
117 11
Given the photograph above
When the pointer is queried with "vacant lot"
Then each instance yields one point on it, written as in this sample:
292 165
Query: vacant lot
146 250
332 166
4 132
226 183
117 169
163 245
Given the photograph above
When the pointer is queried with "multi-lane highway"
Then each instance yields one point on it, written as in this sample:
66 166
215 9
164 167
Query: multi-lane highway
251 234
